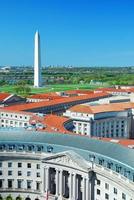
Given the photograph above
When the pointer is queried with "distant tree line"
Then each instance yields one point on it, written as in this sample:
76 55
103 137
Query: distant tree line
111 76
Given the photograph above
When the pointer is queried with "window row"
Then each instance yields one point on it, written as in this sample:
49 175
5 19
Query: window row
19 173
10 184
19 164
107 195
15 116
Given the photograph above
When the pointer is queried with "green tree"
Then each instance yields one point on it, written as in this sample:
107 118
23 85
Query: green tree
1 198
9 197
24 90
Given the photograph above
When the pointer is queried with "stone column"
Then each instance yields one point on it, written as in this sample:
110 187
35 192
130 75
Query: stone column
87 189
46 179
60 182
84 188
63 183
70 181
57 182
74 186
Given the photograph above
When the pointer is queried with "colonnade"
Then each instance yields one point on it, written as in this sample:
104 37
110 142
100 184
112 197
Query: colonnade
66 184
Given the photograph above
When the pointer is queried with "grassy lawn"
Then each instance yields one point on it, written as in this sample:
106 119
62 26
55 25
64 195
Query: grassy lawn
50 88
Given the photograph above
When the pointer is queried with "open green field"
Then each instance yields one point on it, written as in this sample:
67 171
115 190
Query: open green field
49 88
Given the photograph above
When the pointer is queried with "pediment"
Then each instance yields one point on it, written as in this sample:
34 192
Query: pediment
69 159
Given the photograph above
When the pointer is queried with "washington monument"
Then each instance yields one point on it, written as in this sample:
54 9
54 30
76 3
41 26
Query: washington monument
37 61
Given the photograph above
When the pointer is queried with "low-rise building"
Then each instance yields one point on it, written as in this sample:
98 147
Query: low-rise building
35 121
10 99
56 105
14 119
108 120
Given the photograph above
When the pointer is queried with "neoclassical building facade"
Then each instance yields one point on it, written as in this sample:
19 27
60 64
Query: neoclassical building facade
38 166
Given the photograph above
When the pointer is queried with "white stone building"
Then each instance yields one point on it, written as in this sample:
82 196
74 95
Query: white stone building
56 166
14 119
110 120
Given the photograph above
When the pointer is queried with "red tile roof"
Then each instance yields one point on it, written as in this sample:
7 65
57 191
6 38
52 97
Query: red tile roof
56 123
3 96
79 92
51 96
81 109
29 106
14 111
102 108
129 90
51 123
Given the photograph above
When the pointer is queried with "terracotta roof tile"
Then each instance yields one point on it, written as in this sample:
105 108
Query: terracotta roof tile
29 106
51 122
3 96
102 108
129 90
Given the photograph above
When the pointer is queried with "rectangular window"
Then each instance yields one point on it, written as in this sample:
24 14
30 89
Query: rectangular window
9 173
38 186
29 184
19 173
28 173
0 172
106 196
10 183
98 182
98 192
9 164
19 183
38 166
19 164
107 186
1 183
0 164
25 124
38 174
115 190
123 196
28 165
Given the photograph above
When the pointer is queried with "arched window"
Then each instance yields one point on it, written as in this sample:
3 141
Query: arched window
18 198
36 199
27 198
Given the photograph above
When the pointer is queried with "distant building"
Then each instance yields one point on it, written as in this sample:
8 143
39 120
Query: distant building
10 99
109 120
56 105
116 91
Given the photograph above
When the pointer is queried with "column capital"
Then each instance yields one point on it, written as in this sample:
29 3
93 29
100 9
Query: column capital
74 174
46 167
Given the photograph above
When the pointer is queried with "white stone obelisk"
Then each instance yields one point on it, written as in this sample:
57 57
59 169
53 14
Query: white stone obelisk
37 61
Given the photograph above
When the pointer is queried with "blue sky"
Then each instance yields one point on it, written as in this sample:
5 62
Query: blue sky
73 32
